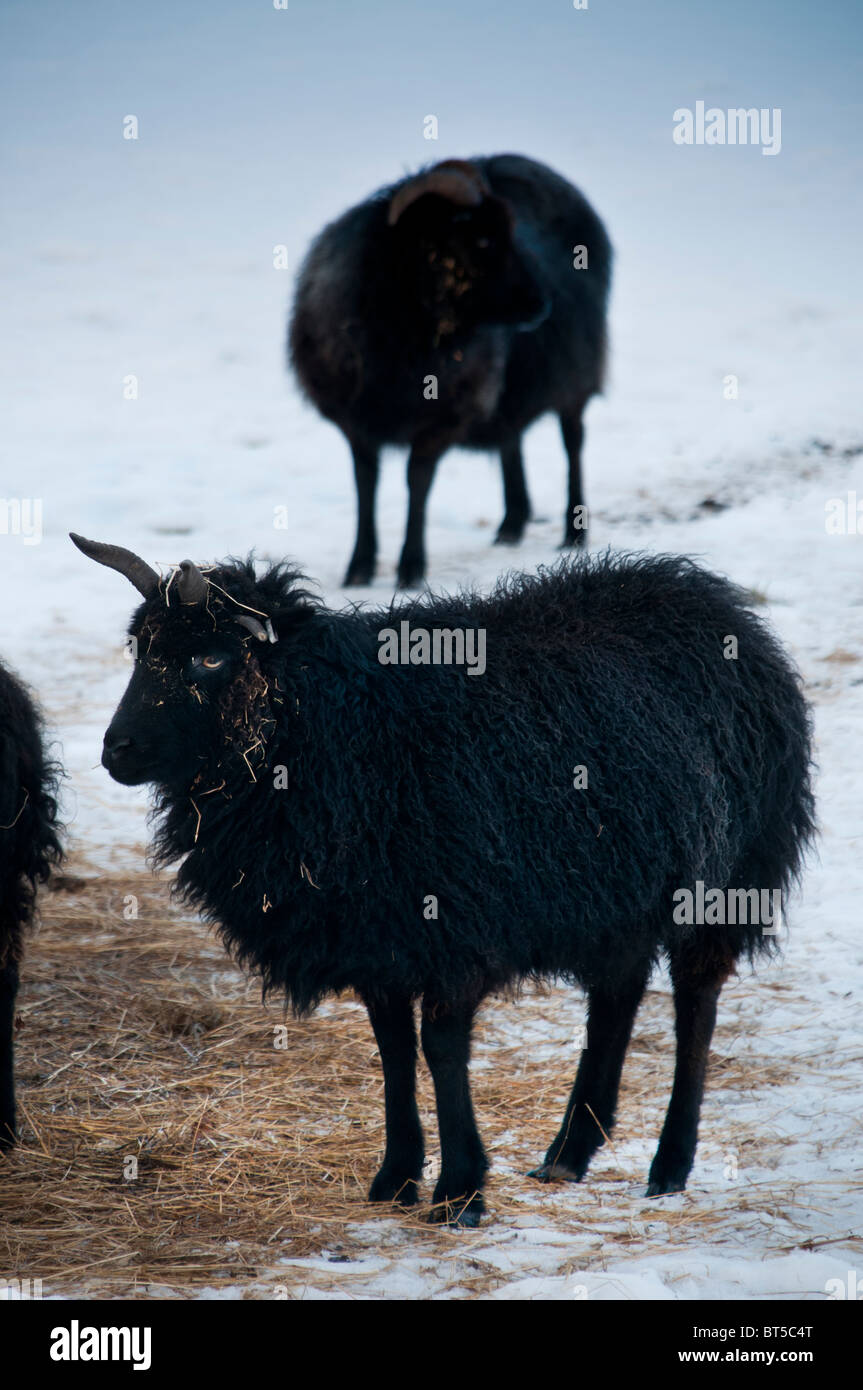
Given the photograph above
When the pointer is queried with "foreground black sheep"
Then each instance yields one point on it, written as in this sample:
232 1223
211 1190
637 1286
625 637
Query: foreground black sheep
29 846
454 308
413 831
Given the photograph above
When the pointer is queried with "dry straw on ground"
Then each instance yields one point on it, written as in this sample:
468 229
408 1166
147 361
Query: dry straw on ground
168 1145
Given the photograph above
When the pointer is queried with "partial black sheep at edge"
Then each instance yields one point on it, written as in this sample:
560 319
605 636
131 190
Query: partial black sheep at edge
29 847
406 782
455 307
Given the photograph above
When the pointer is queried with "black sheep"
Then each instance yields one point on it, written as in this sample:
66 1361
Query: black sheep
29 846
413 831
454 308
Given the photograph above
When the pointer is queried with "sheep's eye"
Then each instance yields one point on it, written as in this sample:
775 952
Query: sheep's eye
209 663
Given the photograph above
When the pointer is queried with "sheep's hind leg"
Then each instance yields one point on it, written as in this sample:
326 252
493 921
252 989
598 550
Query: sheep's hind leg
8 992
458 1197
698 977
590 1113
395 1032
361 569
515 499
574 523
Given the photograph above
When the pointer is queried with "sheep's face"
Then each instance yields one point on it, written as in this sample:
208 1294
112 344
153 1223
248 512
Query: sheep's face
463 266
208 648
195 700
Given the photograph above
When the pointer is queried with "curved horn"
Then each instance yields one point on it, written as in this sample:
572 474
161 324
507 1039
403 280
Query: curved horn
136 570
454 179
191 584
255 628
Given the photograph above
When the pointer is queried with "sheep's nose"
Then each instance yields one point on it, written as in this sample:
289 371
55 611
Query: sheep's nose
112 743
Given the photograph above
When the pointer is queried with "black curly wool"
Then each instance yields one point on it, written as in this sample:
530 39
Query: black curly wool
29 846
405 781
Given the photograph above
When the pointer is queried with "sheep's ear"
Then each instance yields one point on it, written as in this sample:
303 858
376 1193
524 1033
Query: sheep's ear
456 180
290 621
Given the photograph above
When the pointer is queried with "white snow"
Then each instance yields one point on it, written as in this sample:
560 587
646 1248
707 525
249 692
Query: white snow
155 259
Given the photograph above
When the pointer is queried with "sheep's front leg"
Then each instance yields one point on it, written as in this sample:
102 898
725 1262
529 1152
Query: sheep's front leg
361 569
421 469
8 992
395 1032
458 1197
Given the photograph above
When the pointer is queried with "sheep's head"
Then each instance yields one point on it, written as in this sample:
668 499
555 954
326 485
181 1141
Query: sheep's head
201 700
455 249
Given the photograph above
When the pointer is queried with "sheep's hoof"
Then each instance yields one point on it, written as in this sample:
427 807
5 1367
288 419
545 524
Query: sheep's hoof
573 542
509 533
411 576
359 572
663 1187
389 1188
668 1171
462 1213
555 1172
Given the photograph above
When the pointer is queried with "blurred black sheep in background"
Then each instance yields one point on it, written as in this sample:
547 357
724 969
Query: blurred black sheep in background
454 308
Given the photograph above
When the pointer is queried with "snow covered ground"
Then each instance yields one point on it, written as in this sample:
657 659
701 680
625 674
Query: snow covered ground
154 259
